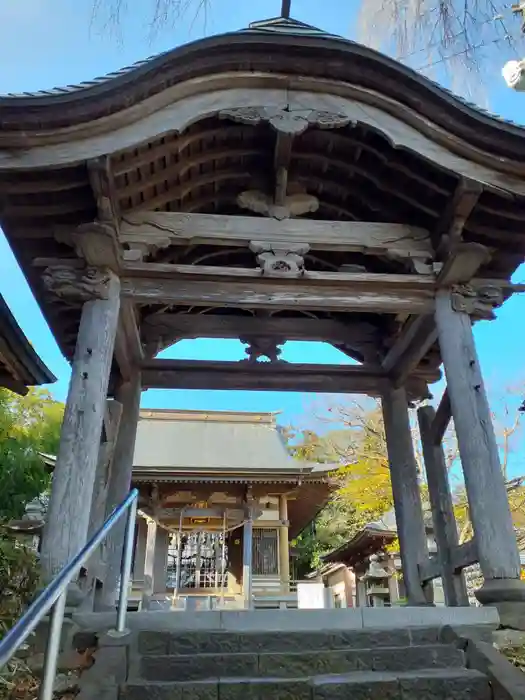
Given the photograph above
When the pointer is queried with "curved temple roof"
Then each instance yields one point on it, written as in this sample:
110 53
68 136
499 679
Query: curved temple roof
194 131
20 366
292 43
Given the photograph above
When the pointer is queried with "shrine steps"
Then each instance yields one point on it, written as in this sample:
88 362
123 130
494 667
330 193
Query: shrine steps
405 664
176 658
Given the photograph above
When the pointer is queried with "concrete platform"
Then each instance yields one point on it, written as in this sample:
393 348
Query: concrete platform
293 620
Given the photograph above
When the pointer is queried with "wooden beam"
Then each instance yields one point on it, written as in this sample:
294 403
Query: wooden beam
420 333
462 264
247 289
465 554
442 418
449 228
162 229
217 326
162 330
151 283
417 337
462 555
278 295
103 185
281 376
129 351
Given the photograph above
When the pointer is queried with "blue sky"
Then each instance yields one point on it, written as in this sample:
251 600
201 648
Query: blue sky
48 43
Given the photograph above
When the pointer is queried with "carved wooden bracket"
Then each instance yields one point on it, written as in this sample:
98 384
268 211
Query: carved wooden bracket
262 346
292 206
478 302
97 243
287 121
280 261
88 283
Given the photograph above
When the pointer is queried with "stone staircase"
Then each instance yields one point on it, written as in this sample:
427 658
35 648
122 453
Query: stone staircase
404 664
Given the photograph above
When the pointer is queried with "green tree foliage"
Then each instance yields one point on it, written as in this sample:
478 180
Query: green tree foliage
29 425
364 493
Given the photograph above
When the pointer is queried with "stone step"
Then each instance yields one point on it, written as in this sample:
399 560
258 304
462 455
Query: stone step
449 684
189 667
206 642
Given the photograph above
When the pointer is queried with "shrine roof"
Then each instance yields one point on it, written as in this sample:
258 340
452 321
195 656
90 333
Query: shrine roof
215 443
279 31
180 156
371 538
20 365
367 541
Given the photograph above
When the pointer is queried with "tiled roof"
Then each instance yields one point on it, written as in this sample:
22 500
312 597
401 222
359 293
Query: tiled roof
212 441
278 25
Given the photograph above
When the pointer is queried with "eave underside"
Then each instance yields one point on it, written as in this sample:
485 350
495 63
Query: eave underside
357 550
306 497
20 366
355 174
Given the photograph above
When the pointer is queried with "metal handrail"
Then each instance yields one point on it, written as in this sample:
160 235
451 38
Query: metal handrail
55 593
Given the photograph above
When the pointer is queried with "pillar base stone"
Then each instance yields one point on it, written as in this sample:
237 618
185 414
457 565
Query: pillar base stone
511 614
508 597
498 590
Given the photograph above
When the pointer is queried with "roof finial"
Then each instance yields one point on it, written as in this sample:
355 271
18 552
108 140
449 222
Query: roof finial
285 8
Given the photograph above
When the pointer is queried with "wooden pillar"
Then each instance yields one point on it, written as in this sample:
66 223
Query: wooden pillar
149 563
67 520
284 545
405 488
140 549
486 491
247 542
111 422
128 394
160 564
443 518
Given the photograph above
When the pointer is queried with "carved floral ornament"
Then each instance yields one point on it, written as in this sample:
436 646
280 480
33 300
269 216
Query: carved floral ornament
277 261
287 121
261 346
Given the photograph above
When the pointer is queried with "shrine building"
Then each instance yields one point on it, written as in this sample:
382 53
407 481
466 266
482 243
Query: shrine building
196 472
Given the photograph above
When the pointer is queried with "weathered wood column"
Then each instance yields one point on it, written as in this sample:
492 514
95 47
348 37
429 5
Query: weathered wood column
128 394
443 518
140 549
149 563
160 564
284 544
67 520
405 488
486 491
247 549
